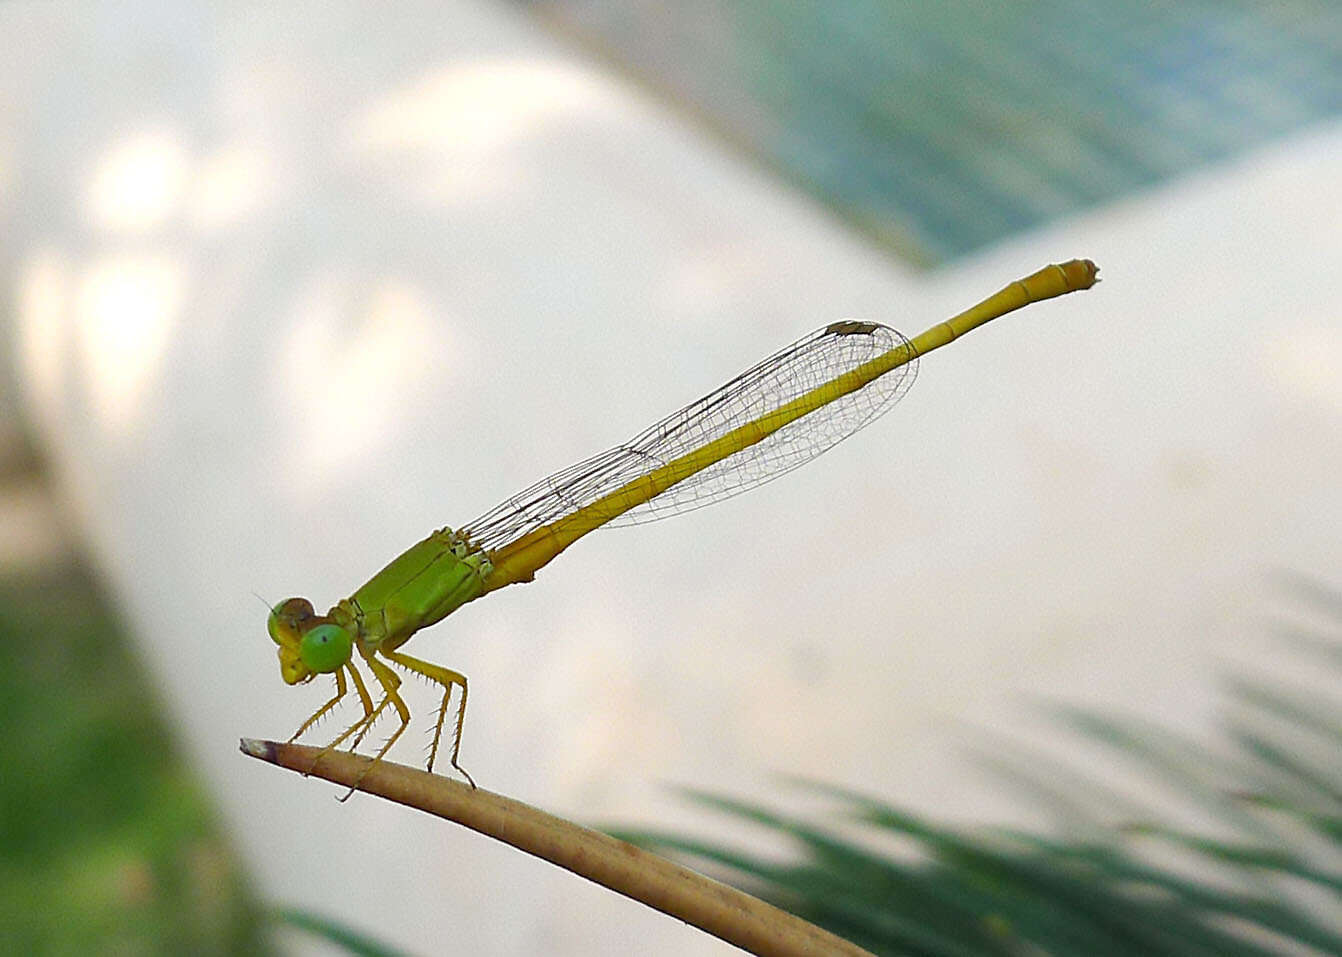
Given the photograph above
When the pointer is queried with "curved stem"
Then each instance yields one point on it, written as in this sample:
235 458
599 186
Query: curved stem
713 907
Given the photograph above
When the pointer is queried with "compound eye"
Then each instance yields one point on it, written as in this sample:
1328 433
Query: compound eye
326 648
287 616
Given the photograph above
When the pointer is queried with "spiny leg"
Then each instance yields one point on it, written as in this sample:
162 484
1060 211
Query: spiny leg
395 681
361 726
359 687
370 714
447 678
390 682
341 688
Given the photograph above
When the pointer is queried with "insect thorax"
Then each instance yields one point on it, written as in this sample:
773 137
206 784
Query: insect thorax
421 586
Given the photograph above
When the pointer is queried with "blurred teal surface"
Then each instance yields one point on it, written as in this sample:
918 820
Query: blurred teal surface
944 127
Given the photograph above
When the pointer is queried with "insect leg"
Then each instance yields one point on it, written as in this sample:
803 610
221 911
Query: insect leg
447 678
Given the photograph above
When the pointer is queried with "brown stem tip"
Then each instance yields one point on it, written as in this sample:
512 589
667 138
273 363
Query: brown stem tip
720 910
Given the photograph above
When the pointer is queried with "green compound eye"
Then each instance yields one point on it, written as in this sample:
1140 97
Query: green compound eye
326 648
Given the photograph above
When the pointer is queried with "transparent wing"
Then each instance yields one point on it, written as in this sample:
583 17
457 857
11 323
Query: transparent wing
785 375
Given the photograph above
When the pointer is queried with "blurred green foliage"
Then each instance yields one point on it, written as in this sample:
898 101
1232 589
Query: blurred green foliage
108 844
1259 874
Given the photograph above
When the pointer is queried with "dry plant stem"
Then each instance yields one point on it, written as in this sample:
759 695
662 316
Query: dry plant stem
720 910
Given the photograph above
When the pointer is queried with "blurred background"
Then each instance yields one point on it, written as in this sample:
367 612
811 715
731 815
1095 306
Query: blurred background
288 286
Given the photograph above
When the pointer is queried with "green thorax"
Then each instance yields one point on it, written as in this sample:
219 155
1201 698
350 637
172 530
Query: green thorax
423 585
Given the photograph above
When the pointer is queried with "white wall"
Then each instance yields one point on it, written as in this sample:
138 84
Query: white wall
294 284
